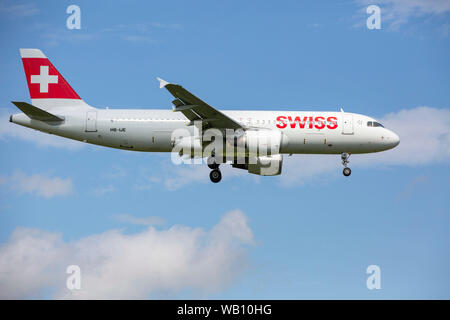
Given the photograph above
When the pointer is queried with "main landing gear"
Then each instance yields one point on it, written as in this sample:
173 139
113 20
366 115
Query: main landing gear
215 175
347 171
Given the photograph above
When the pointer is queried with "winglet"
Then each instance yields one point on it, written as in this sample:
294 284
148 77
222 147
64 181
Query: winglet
162 83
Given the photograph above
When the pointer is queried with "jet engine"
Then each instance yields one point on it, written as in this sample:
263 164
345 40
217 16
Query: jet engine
262 165
249 143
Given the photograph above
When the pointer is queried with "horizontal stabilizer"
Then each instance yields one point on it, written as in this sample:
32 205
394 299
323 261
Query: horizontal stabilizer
36 113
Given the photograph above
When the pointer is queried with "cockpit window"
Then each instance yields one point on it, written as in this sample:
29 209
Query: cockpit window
374 124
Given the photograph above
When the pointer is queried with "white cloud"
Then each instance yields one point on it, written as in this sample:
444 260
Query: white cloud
116 265
27 262
115 172
186 174
18 10
413 184
10 130
145 33
175 177
140 32
299 169
398 12
144 221
424 139
55 36
101 191
166 25
170 176
135 38
142 28
37 184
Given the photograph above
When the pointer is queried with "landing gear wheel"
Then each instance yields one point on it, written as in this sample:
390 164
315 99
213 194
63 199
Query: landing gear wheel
212 164
215 175
347 172
344 157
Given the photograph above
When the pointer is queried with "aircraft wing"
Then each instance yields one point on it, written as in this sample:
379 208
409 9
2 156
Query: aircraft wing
197 110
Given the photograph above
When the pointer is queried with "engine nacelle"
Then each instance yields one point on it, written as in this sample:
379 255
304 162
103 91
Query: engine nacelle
239 144
263 165
250 143
266 165
263 142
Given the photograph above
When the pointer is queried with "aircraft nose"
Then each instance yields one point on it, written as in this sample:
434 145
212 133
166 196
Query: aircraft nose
393 140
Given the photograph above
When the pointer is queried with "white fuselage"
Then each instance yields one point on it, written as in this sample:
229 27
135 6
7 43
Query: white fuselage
151 130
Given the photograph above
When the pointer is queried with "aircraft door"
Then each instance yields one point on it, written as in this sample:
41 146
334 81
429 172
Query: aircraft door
347 123
91 121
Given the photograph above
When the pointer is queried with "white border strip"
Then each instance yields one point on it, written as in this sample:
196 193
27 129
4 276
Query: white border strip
32 53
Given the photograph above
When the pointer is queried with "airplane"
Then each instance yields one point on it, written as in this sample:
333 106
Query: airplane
248 139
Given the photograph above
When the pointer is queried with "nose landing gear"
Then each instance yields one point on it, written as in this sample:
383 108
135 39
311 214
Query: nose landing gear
347 171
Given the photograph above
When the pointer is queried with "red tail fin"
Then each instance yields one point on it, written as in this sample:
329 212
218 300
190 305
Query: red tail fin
47 86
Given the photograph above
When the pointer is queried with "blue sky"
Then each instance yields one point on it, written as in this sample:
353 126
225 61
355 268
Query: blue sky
309 233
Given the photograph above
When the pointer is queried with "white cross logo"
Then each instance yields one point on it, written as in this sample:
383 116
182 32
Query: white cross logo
44 79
